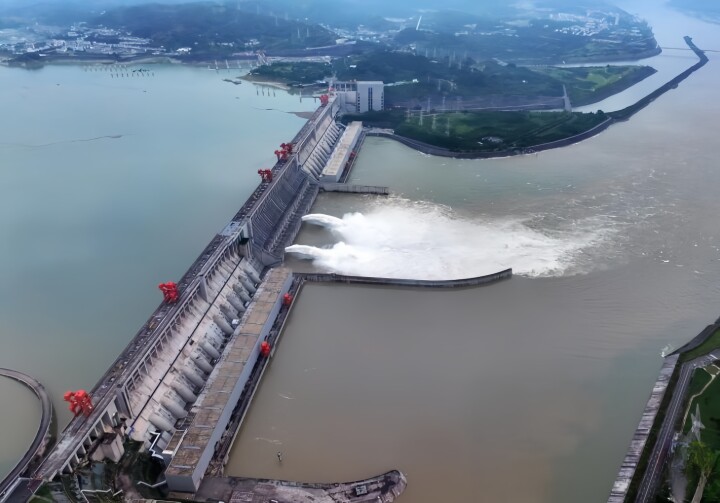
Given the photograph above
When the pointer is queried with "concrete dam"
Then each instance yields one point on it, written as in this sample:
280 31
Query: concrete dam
183 384
162 387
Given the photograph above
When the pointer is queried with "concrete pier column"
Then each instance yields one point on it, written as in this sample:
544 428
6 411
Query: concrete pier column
242 293
223 324
228 311
192 375
247 284
214 339
184 391
202 362
175 408
210 350
251 273
161 422
236 303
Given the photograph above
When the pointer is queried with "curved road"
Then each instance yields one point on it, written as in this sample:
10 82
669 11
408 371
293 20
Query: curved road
47 412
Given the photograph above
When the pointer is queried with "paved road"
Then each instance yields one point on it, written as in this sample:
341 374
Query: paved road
45 421
658 457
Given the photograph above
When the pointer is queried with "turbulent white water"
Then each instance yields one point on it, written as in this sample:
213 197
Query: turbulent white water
427 241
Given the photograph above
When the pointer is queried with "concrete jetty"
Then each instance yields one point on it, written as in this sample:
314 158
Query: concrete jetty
13 488
384 488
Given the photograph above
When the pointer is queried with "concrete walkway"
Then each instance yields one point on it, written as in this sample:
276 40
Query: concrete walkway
38 443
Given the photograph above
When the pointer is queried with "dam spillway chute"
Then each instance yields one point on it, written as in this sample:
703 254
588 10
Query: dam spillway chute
322 220
304 251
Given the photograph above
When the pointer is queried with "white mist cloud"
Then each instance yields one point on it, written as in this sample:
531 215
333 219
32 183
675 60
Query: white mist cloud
425 241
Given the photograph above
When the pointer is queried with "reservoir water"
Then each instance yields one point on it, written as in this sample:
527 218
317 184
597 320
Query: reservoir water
528 390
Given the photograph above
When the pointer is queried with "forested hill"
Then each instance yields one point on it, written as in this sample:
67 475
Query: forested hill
206 26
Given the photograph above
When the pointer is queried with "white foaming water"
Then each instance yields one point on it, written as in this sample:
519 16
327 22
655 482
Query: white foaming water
426 241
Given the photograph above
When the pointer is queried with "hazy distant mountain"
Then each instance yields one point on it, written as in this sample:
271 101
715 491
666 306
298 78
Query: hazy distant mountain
215 27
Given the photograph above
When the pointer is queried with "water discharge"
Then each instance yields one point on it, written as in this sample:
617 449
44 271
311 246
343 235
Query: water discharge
406 239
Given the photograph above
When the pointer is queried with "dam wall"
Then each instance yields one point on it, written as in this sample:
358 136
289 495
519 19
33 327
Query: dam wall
619 491
152 386
10 489
367 280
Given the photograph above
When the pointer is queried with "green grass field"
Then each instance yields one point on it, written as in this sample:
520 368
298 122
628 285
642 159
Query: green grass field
713 342
709 403
591 84
495 131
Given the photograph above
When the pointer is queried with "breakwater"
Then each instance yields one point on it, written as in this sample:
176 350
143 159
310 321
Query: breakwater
627 112
627 472
368 280
44 433
613 117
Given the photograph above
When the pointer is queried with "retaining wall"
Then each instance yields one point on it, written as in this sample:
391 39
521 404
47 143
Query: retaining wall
368 280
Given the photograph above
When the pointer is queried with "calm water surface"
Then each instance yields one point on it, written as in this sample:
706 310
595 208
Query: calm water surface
88 228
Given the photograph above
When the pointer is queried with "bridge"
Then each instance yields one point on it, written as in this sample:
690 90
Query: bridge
11 488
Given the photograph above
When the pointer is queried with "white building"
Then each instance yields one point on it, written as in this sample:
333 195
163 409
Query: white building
360 96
